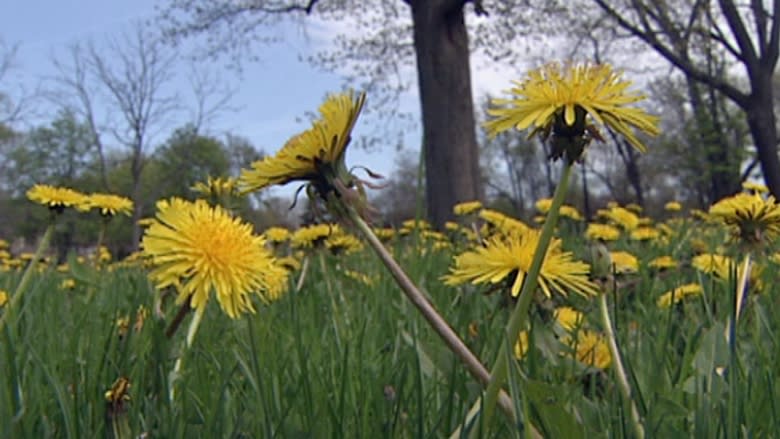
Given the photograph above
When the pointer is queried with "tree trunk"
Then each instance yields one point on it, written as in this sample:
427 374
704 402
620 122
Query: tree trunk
762 122
450 144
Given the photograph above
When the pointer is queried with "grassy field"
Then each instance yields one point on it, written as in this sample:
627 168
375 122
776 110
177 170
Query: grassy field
346 355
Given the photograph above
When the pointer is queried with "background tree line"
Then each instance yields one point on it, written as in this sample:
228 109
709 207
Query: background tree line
709 69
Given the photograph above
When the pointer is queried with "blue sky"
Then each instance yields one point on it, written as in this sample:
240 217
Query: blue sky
271 98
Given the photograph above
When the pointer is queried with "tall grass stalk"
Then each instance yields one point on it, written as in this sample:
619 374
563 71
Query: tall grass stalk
623 385
437 322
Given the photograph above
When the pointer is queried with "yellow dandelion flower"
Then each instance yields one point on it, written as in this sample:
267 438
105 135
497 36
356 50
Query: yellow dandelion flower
119 391
751 217
314 235
753 187
343 243
410 225
218 187
710 263
621 216
502 222
511 255
678 294
200 248
385 234
624 262
568 317
521 346
563 95
3 244
673 206
633 207
662 262
56 198
289 263
466 208
310 155
645 233
603 232
107 204
591 349
3 298
68 284
543 205
276 234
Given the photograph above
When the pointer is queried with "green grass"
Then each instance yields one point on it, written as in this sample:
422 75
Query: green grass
342 359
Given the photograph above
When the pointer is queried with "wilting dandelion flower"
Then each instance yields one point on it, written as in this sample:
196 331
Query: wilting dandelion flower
55 198
466 208
752 218
511 255
315 155
564 99
199 248
678 294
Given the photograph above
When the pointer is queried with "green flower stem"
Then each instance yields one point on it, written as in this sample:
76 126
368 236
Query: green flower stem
742 286
620 371
439 324
191 331
101 237
520 313
302 277
27 276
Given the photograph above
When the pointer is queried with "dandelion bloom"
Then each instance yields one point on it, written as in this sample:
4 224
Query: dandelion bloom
277 234
564 95
3 297
756 188
108 204
511 255
199 248
314 235
521 346
678 294
568 317
751 217
663 262
621 216
624 262
591 349
602 232
645 233
56 198
216 187
313 155
502 222
673 206
466 208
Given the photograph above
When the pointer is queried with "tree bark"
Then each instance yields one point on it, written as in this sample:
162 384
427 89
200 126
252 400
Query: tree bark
763 128
444 79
